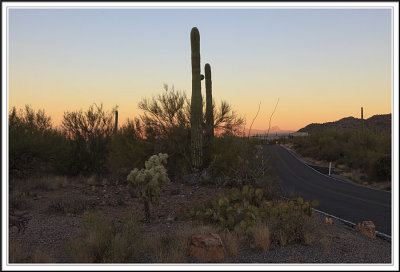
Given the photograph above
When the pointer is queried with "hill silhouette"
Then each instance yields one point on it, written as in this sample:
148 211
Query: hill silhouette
378 123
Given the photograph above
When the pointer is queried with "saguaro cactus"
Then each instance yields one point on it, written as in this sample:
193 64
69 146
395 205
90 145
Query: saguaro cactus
362 119
196 102
116 122
209 135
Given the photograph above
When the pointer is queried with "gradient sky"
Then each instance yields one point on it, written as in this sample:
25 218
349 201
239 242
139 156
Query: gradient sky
322 64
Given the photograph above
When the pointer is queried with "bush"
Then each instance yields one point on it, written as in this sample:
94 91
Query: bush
242 165
165 124
128 149
34 146
241 211
89 134
364 150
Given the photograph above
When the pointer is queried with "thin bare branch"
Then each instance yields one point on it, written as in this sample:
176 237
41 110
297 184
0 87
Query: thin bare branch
269 126
259 105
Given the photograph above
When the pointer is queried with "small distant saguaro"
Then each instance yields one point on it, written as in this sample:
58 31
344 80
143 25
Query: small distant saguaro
116 122
362 118
196 112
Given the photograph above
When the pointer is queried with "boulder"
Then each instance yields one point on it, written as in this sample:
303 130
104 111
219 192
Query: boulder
207 247
191 179
205 176
366 228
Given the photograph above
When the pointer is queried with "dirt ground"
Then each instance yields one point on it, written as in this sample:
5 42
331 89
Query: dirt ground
48 233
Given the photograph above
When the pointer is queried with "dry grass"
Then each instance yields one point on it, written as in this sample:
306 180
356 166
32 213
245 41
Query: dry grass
100 240
312 229
70 203
18 253
171 247
326 244
18 200
230 240
262 237
45 183
42 257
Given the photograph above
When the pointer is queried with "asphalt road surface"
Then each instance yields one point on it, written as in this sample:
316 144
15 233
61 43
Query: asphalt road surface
351 202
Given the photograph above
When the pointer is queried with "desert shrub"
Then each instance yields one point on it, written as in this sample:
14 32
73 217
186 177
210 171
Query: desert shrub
241 210
70 203
370 152
35 147
89 134
148 181
242 165
92 243
124 245
128 149
100 240
165 124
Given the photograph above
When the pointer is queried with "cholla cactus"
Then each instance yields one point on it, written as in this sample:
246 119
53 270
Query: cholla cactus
148 181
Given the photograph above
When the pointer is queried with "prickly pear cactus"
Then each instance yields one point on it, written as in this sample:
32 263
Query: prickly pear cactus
196 102
239 209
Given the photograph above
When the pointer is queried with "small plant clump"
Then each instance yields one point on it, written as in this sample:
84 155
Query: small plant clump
240 210
148 181
70 204
101 240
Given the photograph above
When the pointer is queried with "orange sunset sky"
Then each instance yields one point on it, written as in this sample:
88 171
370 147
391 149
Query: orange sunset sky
322 64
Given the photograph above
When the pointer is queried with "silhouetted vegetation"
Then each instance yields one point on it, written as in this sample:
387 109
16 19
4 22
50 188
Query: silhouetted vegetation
35 147
89 135
357 149
88 144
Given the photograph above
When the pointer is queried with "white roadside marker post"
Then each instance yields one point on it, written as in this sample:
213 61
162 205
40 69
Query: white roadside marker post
330 164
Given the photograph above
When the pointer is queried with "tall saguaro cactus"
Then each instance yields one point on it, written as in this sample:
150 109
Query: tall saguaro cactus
209 135
196 102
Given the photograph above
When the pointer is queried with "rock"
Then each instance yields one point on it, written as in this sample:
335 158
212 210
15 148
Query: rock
191 179
207 247
205 177
366 228
175 191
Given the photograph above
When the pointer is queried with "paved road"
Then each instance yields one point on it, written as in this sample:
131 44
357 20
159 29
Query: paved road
342 199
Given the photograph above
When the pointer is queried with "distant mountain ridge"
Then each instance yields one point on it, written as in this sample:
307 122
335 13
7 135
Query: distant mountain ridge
376 123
